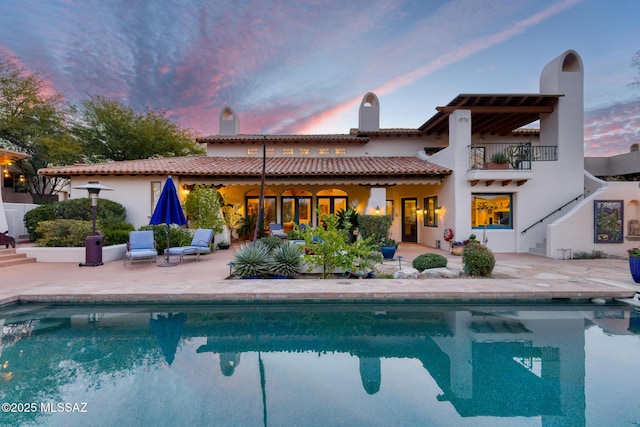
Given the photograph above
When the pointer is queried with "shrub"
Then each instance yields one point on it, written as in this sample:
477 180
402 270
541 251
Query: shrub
36 215
177 236
116 233
426 261
330 249
63 233
348 220
271 242
285 259
375 227
203 208
589 255
296 233
107 212
247 227
478 260
251 260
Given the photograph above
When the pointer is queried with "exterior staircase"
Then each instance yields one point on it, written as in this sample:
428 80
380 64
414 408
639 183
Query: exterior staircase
9 257
540 249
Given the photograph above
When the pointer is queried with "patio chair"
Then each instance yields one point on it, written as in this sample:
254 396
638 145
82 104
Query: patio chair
199 245
141 246
277 230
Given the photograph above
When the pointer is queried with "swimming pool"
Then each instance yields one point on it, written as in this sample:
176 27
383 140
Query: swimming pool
444 365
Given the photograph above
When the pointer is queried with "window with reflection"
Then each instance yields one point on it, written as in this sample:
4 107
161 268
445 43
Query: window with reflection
331 201
491 211
252 200
429 211
156 189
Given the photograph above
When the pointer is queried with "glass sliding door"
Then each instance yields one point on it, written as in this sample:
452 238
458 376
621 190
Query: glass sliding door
296 209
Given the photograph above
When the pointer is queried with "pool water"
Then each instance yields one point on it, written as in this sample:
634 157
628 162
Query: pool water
400 365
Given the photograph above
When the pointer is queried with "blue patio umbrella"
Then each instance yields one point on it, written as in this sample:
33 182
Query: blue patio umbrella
168 211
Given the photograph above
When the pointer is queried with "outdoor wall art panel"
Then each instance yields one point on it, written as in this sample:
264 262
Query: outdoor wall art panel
608 218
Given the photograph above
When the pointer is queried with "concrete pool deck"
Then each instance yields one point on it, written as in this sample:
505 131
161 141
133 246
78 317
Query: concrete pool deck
516 277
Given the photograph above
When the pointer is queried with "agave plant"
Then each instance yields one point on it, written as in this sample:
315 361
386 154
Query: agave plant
285 259
251 260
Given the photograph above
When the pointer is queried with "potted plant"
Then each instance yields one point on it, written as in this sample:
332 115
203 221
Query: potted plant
247 227
457 247
285 260
232 217
251 261
498 161
223 245
388 247
472 239
634 263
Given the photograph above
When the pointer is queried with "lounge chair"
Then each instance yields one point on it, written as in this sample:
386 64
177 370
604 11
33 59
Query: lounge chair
276 230
199 245
141 246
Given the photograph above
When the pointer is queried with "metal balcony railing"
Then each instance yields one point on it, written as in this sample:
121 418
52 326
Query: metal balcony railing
510 155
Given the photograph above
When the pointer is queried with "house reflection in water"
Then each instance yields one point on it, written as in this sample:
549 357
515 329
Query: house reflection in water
489 361
503 364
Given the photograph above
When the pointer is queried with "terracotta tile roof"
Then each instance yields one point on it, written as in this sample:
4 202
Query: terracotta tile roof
251 167
242 138
386 131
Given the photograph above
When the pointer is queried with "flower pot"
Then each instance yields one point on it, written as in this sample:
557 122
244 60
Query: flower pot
457 249
388 252
223 247
634 267
494 165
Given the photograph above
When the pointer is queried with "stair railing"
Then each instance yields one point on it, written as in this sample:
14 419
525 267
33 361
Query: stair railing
547 216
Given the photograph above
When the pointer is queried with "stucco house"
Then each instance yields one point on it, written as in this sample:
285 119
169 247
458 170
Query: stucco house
473 167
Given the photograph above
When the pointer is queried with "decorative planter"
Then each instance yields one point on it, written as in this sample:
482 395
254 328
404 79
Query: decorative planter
494 165
388 252
457 249
634 267
224 247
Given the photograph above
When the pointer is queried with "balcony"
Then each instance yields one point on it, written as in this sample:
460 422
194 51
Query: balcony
506 162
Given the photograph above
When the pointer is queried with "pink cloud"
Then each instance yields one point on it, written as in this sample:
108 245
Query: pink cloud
612 129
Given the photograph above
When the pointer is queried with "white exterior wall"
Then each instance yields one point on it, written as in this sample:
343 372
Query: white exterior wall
575 230
133 192
377 146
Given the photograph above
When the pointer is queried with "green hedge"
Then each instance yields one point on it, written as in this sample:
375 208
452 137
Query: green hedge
116 233
375 226
63 232
108 212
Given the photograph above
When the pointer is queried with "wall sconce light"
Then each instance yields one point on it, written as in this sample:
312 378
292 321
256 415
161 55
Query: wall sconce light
377 210
21 179
185 189
438 209
6 172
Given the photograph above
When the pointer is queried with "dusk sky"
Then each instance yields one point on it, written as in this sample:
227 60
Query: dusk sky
303 66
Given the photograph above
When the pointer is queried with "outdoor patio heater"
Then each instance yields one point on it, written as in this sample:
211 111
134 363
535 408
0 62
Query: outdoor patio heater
93 243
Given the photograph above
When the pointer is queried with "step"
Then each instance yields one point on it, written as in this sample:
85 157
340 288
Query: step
9 257
537 251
